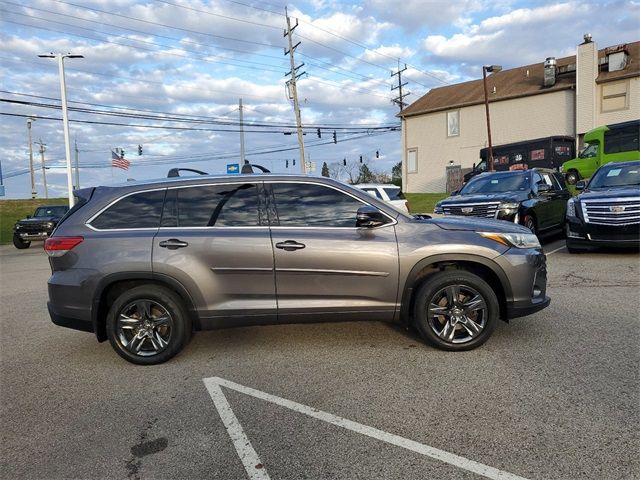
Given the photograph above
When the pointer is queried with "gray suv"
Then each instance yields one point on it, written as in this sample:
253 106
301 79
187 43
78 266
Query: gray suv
144 265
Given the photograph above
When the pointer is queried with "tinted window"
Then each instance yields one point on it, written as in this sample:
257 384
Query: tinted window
141 210
621 139
616 176
51 211
512 182
307 205
234 205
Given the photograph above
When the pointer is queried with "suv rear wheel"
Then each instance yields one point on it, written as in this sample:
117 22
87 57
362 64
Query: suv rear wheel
148 325
456 310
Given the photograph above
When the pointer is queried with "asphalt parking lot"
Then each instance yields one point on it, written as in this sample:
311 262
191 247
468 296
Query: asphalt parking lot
550 396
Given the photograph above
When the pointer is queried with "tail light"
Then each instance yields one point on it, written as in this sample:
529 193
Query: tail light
406 204
58 246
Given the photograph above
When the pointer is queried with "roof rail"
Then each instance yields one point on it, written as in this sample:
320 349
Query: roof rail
248 168
175 172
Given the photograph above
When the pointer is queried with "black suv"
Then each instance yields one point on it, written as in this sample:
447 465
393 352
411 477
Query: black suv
607 212
39 226
536 198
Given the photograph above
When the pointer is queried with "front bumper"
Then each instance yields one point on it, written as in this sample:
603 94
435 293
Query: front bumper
526 270
32 236
583 234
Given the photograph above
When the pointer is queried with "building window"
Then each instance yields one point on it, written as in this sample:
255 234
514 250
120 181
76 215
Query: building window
412 160
453 123
615 96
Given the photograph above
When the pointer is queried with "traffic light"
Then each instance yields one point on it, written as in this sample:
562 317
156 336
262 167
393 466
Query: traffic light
319 134
344 162
286 163
335 137
377 154
139 149
360 158
294 162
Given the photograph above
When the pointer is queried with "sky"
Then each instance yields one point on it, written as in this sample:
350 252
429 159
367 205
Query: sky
169 75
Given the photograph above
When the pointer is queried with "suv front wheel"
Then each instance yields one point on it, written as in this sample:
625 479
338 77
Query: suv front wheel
148 325
456 310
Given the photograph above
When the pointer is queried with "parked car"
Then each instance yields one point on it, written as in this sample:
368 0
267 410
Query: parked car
389 193
39 226
619 142
536 198
607 212
144 264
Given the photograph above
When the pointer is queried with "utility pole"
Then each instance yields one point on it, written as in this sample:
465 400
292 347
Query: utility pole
75 143
399 99
65 116
33 180
44 168
241 136
293 90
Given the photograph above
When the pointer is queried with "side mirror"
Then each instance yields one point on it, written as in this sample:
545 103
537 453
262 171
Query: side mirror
581 185
543 187
455 192
370 217
28 216
474 167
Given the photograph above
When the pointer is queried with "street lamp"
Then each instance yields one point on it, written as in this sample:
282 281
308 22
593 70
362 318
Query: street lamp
491 69
65 117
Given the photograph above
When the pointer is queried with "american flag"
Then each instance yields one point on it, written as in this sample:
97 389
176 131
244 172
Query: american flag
119 161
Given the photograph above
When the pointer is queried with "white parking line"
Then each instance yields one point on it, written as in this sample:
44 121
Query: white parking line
556 250
252 463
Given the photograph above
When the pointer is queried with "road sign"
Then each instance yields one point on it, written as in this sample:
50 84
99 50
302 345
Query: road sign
233 168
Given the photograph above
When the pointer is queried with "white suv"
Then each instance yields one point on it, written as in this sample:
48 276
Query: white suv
387 192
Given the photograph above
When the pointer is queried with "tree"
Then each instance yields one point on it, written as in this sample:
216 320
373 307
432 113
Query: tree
325 170
365 175
396 174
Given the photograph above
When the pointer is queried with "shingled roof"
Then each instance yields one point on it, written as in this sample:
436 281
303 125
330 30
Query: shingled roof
517 82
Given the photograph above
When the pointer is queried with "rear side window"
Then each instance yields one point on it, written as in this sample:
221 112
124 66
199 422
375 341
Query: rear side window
621 139
233 205
140 210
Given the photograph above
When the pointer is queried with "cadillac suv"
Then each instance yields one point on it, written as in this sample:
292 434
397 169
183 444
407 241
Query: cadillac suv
145 264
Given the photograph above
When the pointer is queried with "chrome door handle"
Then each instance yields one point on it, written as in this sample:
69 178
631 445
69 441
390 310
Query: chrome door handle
173 244
290 245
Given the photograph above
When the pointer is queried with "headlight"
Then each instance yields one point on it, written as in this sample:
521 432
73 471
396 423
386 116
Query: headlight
438 209
509 207
50 224
561 169
571 207
518 240
18 227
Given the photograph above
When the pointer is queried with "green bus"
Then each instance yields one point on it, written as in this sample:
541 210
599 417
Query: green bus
606 144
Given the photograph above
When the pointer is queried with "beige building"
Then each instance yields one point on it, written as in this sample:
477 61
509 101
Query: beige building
448 124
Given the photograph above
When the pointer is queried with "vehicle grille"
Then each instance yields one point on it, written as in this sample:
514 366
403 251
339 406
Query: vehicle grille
612 211
33 228
484 209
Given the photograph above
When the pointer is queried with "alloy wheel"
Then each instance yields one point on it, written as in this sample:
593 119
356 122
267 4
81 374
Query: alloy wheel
144 327
457 313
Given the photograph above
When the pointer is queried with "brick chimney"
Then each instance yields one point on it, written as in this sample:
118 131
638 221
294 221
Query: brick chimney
586 74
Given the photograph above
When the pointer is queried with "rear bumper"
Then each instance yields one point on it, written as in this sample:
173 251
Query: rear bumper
70 322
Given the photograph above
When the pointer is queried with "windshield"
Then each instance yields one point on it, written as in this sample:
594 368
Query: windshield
616 176
513 182
591 150
50 211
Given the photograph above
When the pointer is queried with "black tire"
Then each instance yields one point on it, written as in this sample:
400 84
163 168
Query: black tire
572 177
529 221
19 243
148 325
456 310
